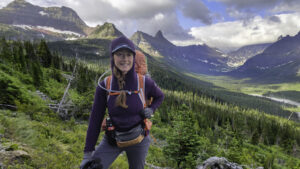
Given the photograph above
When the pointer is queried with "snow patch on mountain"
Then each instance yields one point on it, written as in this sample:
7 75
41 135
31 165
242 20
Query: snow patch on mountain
43 13
283 64
72 38
51 29
215 64
26 27
235 64
59 31
201 60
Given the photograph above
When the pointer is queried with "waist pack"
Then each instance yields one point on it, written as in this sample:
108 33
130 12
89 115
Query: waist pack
130 137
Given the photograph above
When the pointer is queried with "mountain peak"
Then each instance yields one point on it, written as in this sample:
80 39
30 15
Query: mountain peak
105 31
18 4
21 12
159 35
109 24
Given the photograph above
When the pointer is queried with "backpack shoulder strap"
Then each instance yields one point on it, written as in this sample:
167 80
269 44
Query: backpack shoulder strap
108 83
141 89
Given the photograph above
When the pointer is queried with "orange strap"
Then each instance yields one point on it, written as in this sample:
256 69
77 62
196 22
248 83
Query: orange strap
141 88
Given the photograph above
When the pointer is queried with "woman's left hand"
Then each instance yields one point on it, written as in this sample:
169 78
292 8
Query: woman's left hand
147 113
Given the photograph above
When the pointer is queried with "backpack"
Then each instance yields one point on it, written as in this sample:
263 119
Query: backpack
140 63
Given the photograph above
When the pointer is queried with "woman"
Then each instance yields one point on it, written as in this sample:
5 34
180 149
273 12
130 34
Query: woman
125 109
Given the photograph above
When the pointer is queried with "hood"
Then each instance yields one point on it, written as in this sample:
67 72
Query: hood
119 43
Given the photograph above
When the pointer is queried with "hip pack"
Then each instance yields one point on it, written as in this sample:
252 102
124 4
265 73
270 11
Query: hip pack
129 138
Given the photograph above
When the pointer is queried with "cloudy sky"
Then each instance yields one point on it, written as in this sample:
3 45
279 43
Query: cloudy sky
225 24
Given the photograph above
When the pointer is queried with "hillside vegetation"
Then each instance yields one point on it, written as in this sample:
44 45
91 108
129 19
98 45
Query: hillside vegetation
189 127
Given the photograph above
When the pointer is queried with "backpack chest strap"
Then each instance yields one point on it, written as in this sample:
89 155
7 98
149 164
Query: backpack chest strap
140 91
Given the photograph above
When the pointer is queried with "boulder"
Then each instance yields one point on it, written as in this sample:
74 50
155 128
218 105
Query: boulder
218 163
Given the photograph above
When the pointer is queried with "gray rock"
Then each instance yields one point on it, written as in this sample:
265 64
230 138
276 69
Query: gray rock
218 163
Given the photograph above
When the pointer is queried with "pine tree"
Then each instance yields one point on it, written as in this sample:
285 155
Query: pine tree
57 62
22 60
183 141
44 54
37 74
6 53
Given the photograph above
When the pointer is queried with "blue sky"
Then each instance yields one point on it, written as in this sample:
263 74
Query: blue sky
224 24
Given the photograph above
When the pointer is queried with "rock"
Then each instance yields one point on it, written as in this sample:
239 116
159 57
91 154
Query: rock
218 163
13 156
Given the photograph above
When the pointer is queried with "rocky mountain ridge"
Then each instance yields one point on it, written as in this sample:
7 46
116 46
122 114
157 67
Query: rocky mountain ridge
194 58
20 12
279 62
240 56
52 23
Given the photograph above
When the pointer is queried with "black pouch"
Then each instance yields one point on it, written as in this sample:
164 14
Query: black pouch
110 135
130 137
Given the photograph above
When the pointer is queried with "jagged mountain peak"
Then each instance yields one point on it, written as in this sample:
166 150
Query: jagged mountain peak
159 34
105 31
107 24
17 4
140 34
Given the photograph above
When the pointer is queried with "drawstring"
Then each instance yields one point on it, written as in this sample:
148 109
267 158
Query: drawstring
109 90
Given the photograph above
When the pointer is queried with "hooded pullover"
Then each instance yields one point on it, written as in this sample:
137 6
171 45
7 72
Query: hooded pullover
123 119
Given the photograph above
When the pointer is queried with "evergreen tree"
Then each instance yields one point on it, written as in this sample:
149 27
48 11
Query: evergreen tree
6 53
37 74
56 61
30 52
183 141
44 54
22 60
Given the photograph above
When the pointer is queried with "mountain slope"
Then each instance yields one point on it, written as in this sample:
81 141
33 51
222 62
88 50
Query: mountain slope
194 58
26 33
105 31
281 60
20 12
240 56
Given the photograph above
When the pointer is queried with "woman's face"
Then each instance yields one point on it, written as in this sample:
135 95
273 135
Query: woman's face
123 59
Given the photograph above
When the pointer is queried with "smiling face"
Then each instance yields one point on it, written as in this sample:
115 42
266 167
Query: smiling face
123 60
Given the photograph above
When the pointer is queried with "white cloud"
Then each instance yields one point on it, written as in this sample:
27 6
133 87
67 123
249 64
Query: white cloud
232 35
159 16
166 22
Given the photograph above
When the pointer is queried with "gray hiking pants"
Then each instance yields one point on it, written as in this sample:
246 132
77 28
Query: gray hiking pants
136 154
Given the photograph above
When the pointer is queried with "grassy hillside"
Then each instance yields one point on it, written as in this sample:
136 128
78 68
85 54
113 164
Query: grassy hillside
188 128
